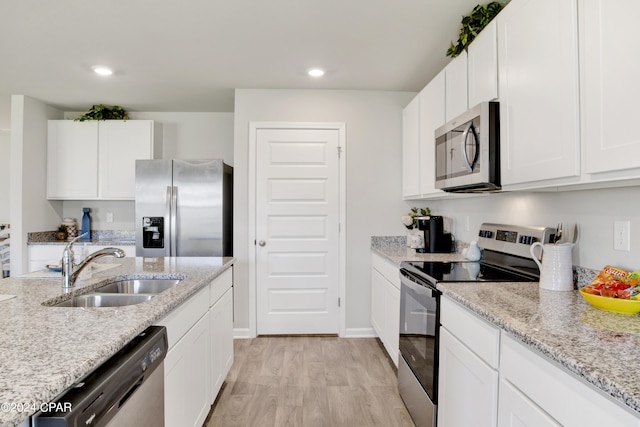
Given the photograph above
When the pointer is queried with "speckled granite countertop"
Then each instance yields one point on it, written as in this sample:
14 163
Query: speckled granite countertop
600 347
44 350
98 237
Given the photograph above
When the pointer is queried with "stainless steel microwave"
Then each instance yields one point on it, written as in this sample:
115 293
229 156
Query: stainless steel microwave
468 151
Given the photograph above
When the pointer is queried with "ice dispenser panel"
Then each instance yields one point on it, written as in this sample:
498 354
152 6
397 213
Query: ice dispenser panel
153 232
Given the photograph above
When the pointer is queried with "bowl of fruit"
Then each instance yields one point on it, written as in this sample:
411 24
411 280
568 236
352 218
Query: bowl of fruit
614 290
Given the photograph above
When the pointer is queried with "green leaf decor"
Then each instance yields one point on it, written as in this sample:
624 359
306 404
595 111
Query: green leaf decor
480 16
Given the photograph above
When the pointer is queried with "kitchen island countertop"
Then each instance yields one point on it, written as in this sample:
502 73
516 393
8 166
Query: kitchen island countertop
44 350
597 346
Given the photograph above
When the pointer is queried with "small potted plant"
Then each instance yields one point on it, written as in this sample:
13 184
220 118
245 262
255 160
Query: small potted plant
61 233
414 239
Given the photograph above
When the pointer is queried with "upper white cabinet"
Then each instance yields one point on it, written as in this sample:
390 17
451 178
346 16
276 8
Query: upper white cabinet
96 159
432 116
72 160
482 66
538 87
610 85
456 87
410 149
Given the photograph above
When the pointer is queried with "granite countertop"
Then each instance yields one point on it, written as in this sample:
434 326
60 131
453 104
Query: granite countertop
44 350
600 347
98 237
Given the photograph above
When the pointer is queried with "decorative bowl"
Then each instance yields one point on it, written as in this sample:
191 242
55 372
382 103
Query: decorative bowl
616 305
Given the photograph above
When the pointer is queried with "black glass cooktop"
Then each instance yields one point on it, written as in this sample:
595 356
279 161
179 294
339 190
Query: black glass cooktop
465 272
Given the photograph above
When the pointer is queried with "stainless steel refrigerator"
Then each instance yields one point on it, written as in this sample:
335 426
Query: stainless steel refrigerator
184 208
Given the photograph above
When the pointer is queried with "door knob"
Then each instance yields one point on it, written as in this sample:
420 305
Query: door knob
262 243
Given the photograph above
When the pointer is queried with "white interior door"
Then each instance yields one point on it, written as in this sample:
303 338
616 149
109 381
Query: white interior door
297 231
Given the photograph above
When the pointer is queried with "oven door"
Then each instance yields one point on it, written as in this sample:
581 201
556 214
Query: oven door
419 322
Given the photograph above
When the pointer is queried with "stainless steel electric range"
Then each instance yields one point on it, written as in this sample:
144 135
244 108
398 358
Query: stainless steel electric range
505 258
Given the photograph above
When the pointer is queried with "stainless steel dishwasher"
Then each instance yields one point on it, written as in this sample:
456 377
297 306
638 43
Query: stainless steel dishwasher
126 390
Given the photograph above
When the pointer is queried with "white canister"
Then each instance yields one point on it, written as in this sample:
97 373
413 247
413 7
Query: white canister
556 269
416 241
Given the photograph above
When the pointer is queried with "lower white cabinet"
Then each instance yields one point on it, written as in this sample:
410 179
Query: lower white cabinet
560 396
517 410
385 304
200 352
186 378
467 384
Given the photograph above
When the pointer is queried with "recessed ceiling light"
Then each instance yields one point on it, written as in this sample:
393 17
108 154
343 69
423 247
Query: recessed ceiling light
316 72
103 71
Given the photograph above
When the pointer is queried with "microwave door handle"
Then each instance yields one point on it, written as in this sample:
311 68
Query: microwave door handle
469 163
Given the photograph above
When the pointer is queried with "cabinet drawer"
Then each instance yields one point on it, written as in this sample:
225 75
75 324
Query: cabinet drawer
388 270
180 320
563 396
476 333
220 285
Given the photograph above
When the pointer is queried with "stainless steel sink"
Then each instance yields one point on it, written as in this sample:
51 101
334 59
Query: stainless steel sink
138 286
105 300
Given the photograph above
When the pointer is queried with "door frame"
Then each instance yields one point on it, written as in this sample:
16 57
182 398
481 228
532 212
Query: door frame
342 167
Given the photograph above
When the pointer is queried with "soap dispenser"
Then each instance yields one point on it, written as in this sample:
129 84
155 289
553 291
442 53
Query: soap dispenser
86 225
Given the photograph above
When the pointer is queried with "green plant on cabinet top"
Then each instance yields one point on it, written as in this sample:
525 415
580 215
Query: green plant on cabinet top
102 112
480 16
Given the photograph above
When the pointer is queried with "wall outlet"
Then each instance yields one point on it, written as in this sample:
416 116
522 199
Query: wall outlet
109 216
622 236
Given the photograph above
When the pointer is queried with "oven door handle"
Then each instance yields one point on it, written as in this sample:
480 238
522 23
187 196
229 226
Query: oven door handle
420 286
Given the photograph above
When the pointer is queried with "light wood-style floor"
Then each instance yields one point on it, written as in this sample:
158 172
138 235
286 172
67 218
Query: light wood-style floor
309 381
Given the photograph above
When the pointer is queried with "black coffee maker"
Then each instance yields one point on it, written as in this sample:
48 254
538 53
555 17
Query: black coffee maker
435 239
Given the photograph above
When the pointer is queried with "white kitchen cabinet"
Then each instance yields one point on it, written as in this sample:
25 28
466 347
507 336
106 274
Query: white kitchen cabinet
186 377
385 304
482 66
517 410
564 398
610 86
432 116
200 333
410 149
221 318
72 160
456 87
40 255
96 160
468 368
538 87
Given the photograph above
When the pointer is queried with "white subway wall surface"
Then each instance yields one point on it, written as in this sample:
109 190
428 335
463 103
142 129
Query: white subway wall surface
593 210
374 177
122 210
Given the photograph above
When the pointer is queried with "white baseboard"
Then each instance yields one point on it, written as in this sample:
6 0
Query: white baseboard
241 333
360 333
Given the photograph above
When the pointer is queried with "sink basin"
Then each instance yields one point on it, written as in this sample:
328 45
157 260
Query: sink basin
104 300
138 286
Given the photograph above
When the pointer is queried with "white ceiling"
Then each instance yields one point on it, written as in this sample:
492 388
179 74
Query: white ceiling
189 55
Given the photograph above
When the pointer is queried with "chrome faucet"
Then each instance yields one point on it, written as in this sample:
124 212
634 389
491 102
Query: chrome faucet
70 270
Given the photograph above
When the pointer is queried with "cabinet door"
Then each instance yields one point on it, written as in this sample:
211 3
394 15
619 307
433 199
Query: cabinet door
516 410
538 86
377 302
432 116
221 341
482 66
410 149
187 378
467 387
72 160
456 87
392 320
610 85
121 143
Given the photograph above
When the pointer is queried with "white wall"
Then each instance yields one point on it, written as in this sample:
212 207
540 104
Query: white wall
184 136
30 209
594 210
5 162
374 162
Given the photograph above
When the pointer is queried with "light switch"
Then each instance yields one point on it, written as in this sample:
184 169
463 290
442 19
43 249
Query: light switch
109 216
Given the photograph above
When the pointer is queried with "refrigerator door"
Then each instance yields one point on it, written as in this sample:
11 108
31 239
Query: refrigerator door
152 207
197 190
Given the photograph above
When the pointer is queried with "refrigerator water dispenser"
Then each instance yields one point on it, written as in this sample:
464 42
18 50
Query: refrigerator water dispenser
153 232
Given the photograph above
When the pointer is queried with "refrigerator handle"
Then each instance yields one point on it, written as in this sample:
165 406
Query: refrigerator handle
168 221
174 221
